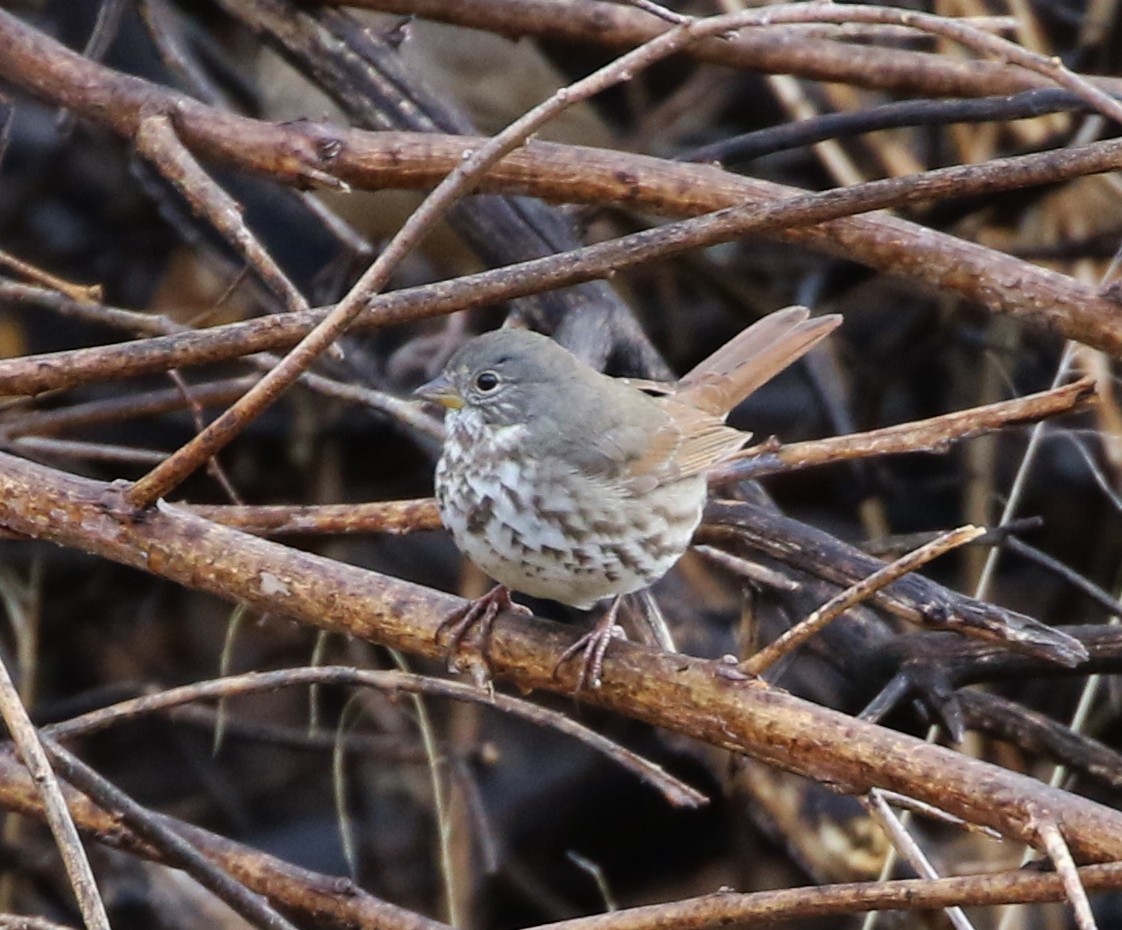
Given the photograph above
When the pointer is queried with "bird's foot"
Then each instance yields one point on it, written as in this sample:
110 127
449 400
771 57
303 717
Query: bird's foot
477 614
592 648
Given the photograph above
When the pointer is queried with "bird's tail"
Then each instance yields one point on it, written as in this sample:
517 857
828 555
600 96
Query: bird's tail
752 358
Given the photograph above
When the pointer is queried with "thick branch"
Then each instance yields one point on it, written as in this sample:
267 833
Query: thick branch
705 699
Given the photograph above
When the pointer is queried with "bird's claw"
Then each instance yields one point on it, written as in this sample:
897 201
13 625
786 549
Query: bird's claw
477 614
594 646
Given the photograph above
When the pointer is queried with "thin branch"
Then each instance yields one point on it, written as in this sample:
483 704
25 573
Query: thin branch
936 434
157 141
57 814
854 595
392 517
1052 840
176 850
675 791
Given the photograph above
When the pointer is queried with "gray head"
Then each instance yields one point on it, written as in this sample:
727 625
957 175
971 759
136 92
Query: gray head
503 374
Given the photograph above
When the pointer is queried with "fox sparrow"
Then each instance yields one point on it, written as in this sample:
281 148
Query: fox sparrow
561 482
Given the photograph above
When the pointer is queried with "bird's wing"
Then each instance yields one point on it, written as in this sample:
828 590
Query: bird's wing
628 456
688 442
704 440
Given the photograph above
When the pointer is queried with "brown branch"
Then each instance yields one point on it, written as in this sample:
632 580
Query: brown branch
701 698
773 51
393 517
297 153
767 907
933 435
936 434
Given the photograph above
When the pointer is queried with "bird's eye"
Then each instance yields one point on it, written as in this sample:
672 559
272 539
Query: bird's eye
486 382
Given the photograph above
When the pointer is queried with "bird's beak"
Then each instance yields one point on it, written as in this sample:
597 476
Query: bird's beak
440 391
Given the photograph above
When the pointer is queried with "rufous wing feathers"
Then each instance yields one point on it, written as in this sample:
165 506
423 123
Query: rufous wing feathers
752 358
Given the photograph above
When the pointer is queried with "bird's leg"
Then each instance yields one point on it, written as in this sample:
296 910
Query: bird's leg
480 613
594 644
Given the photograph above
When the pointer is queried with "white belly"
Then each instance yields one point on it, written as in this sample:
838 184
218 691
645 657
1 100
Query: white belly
548 532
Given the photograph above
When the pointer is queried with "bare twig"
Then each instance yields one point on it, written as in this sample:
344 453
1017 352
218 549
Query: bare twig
936 434
854 594
57 815
395 517
176 850
79 292
157 141
1052 840
675 791
907 847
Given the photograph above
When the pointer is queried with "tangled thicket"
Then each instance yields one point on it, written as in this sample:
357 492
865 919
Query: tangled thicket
186 189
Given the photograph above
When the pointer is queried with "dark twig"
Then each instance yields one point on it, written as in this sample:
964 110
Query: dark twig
165 28
1035 733
105 28
1096 593
786 136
